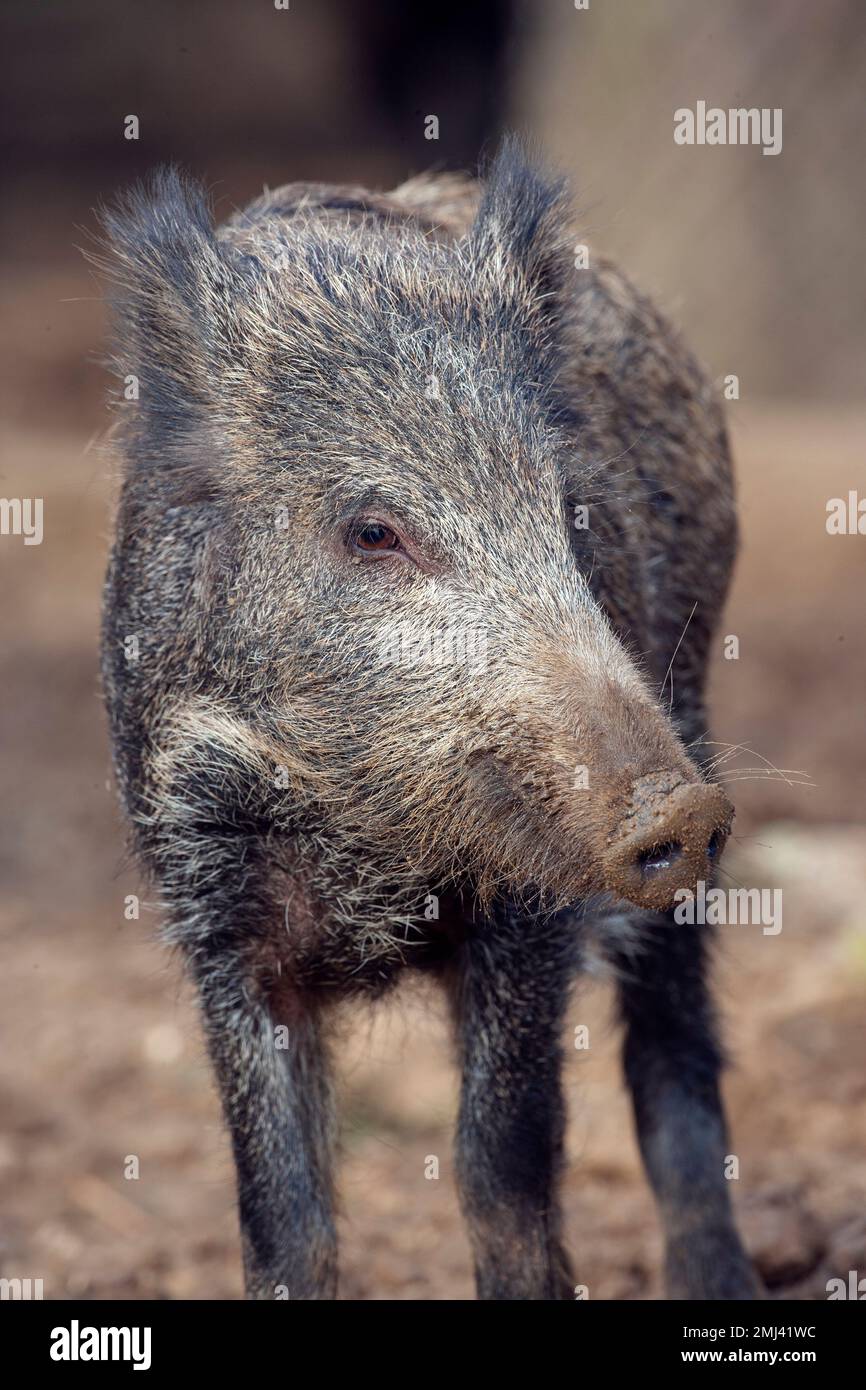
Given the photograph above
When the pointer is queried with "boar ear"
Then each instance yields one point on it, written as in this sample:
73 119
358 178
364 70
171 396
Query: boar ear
173 291
521 229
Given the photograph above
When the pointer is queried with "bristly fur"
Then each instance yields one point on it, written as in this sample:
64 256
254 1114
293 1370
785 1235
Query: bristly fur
319 813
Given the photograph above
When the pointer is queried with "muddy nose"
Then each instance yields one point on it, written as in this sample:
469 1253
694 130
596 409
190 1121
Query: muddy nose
669 837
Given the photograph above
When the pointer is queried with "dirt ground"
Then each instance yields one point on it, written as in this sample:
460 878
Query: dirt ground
101 1057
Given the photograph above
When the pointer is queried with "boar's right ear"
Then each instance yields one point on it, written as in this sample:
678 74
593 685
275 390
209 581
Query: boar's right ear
173 290
520 237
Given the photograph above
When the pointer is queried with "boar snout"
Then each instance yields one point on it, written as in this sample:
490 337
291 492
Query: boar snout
667 840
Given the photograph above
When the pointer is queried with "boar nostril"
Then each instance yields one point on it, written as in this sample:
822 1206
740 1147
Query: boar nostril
660 857
667 841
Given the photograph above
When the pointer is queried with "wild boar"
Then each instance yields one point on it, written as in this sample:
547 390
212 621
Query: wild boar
424 532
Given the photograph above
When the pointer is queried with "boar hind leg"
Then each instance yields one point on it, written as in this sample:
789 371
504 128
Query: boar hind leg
510 991
672 1063
273 1079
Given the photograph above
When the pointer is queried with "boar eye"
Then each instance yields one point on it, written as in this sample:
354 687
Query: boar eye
373 537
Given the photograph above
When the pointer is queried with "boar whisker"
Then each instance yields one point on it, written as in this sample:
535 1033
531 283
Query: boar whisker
669 671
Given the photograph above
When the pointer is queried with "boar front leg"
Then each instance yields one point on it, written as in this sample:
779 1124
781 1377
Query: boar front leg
510 990
208 846
672 1063
273 1079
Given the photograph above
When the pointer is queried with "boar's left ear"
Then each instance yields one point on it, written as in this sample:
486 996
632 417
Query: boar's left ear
520 237
175 293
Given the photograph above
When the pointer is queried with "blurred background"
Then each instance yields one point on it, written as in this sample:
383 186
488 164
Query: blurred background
760 260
